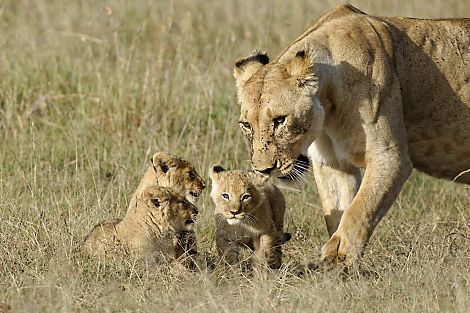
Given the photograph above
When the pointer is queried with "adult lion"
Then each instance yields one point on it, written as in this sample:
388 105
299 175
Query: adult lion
359 91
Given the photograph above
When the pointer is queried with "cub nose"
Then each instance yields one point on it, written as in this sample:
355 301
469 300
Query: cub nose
235 212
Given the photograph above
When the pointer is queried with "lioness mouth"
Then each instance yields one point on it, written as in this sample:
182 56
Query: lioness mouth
194 194
298 170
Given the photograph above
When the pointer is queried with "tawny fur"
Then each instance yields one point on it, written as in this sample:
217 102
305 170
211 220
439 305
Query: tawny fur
172 171
249 211
359 91
154 229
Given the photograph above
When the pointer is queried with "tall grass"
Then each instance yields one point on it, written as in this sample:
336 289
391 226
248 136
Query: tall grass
90 89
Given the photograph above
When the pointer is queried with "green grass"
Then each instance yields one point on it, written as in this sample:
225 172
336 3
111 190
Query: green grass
87 97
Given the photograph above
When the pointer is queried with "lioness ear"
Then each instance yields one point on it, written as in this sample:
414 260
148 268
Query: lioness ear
303 69
246 67
215 170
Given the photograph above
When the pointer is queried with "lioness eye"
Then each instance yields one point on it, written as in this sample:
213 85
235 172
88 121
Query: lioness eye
191 174
225 196
246 126
246 197
279 120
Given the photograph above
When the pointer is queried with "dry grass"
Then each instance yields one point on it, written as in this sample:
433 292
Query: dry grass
90 89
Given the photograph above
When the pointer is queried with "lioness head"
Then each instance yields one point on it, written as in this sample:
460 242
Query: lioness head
168 208
236 194
280 113
178 173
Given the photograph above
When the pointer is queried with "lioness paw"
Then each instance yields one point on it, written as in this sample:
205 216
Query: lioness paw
339 250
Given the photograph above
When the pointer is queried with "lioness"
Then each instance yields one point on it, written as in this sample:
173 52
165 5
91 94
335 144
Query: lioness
154 229
249 211
359 91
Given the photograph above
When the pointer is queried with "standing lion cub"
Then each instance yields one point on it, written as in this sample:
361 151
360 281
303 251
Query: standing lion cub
153 229
249 211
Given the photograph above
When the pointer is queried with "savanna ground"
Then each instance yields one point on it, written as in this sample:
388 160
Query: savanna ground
90 89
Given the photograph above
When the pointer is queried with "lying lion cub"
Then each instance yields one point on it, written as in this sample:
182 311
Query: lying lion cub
249 211
169 170
154 229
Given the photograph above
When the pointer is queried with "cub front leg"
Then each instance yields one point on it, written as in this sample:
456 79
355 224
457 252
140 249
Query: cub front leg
268 251
186 249
227 247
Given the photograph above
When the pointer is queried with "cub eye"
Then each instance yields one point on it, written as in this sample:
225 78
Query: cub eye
225 196
155 202
246 126
279 120
246 197
191 174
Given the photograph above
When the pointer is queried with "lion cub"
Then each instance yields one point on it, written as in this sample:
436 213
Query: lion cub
249 211
153 229
169 170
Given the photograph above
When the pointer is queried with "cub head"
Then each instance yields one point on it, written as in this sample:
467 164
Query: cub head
280 112
168 208
236 194
178 173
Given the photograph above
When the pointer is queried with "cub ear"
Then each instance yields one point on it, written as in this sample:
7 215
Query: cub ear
162 161
302 68
215 170
154 195
246 67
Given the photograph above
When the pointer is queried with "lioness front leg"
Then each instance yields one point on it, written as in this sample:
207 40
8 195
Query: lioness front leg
337 185
383 179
